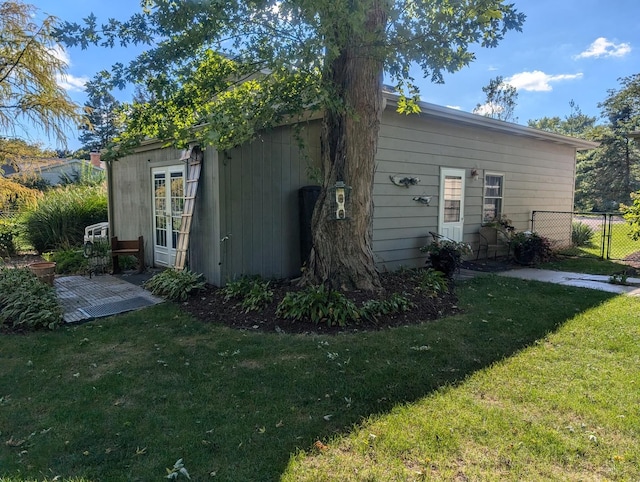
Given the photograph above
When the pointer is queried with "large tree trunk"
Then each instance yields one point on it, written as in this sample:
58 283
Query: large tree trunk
342 253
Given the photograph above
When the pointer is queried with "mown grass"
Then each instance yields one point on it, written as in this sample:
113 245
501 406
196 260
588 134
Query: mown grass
564 409
124 398
621 245
585 265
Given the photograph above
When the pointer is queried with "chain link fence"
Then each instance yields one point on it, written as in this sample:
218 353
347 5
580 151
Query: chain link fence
598 235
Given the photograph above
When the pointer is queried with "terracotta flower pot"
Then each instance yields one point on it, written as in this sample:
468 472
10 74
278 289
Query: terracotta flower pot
45 271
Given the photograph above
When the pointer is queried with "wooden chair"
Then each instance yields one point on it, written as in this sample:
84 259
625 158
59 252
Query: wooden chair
134 247
492 238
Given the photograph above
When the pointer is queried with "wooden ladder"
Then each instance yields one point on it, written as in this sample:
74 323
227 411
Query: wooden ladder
194 167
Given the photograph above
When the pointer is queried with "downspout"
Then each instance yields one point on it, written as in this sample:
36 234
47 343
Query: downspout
110 215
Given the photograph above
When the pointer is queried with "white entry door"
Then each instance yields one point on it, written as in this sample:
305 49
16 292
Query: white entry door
451 211
168 201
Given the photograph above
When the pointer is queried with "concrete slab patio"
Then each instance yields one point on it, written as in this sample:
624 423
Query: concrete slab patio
83 298
596 282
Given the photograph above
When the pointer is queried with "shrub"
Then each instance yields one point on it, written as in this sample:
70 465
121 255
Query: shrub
59 218
8 235
252 291
530 248
175 285
632 215
15 196
581 234
26 302
319 304
68 260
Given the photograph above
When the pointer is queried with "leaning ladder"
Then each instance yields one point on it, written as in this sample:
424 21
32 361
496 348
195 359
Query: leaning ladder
194 167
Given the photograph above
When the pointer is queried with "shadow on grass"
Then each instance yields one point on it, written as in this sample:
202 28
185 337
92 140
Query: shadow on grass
237 404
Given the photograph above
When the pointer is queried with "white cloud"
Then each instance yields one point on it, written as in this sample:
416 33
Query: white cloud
488 109
602 47
72 83
67 81
456 107
538 81
61 54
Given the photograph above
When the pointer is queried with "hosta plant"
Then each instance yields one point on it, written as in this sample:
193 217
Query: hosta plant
26 303
175 285
253 292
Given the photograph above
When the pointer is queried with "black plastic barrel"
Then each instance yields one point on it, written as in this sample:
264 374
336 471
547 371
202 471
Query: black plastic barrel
307 197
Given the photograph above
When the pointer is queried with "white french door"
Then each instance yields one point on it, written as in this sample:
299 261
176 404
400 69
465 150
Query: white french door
451 210
168 202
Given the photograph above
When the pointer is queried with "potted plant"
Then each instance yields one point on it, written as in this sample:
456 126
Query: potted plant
503 223
530 247
445 255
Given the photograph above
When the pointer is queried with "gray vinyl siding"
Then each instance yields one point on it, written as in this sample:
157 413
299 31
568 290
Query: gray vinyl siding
132 194
247 219
204 243
538 175
259 191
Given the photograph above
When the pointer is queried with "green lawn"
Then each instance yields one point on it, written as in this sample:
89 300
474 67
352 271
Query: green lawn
531 381
621 245
585 265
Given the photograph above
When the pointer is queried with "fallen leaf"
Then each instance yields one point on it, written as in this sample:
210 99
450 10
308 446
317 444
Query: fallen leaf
14 443
141 451
320 446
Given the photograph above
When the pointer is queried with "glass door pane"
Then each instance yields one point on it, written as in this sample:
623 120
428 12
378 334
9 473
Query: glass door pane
177 205
160 208
452 198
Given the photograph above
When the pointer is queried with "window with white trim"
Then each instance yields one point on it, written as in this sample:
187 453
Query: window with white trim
493 193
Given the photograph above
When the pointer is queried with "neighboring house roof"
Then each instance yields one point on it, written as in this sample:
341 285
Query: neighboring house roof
54 170
50 165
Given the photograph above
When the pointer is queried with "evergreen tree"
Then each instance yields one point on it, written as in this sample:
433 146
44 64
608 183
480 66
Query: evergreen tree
102 110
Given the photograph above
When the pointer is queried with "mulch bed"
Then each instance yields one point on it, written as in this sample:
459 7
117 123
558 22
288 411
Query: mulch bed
22 260
209 305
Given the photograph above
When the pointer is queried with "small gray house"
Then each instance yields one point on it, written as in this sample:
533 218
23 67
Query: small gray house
57 171
442 170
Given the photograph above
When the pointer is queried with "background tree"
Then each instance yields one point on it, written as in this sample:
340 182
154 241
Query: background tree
298 55
29 67
13 151
501 100
103 112
616 165
576 124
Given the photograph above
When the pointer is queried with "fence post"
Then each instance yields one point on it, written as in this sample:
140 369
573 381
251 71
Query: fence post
606 236
533 217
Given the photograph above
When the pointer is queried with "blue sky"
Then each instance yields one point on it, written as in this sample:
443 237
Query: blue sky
568 50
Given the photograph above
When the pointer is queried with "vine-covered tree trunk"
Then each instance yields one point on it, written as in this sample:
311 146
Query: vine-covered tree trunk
342 252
